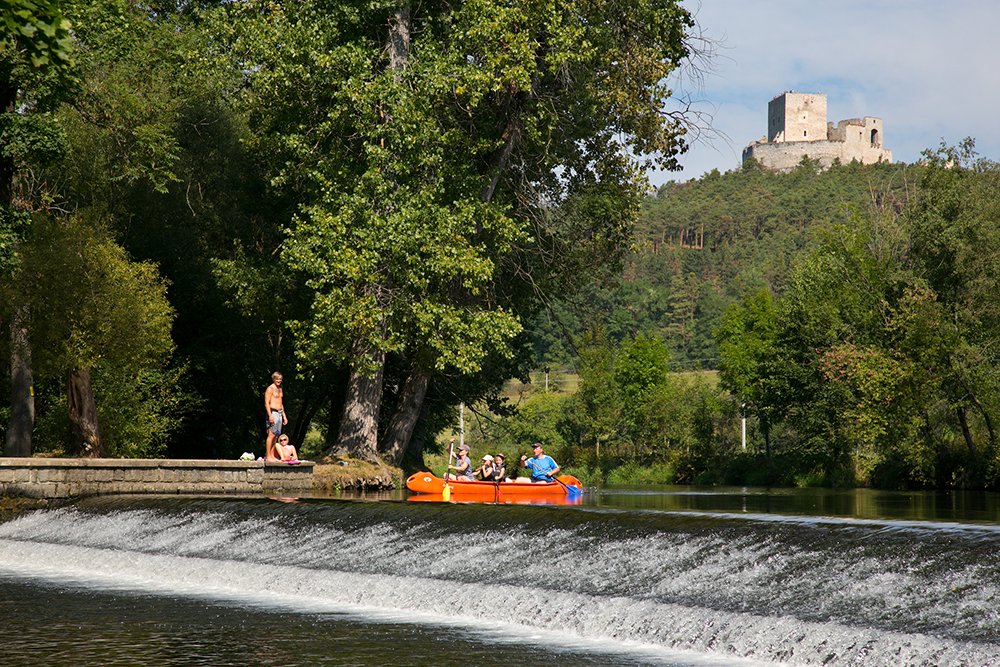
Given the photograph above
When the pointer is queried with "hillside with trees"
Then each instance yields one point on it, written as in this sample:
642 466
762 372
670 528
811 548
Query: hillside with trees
700 246
854 322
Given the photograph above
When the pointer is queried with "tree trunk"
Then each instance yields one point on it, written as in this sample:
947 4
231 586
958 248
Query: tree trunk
411 401
986 418
399 41
22 408
358 434
83 414
22 402
963 420
766 430
415 450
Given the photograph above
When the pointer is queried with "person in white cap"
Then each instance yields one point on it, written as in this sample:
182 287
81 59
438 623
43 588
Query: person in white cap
485 469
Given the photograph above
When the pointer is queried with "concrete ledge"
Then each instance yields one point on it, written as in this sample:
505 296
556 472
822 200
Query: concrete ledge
70 478
280 476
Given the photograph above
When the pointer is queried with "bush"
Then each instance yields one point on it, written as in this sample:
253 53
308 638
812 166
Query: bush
633 473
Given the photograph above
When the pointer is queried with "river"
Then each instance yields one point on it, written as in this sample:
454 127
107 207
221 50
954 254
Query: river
670 576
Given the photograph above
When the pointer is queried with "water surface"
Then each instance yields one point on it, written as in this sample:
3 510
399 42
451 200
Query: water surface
632 576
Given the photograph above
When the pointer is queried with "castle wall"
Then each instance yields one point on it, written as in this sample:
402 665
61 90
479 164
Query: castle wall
786 155
797 126
863 139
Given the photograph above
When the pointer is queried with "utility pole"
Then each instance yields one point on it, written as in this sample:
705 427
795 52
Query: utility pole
743 407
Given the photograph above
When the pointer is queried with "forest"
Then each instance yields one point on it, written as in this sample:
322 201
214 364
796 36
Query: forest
405 209
373 198
850 315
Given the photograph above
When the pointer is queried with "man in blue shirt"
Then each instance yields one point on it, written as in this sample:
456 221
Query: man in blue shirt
542 467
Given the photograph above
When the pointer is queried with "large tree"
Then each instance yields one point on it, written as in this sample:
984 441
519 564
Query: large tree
154 155
92 309
35 68
456 164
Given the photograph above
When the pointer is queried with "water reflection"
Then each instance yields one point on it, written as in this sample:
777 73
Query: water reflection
958 506
961 506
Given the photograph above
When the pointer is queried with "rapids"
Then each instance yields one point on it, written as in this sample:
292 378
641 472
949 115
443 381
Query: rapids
582 584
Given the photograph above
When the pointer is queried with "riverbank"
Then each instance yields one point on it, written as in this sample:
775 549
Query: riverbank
355 475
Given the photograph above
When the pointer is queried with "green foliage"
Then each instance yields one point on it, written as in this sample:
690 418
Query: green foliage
633 473
702 246
38 27
310 186
137 80
597 396
629 411
153 150
92 307
36 72
746 340
423 148
89 301
877 361
537 418
141 410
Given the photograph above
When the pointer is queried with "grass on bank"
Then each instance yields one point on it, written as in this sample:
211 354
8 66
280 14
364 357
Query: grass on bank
357 475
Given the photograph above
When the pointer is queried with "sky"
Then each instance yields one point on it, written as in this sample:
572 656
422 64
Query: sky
929 69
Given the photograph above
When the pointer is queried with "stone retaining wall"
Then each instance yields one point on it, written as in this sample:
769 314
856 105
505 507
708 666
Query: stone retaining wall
70 478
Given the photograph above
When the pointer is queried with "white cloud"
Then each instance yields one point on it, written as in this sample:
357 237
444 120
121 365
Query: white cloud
926 68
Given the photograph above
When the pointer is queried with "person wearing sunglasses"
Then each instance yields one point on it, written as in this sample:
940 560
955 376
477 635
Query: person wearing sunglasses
284 450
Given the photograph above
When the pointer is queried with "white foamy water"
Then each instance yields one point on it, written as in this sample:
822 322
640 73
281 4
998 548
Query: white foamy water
687 591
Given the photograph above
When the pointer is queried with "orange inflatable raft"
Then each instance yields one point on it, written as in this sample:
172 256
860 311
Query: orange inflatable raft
425 482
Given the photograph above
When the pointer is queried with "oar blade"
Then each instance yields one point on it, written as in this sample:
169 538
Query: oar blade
573 486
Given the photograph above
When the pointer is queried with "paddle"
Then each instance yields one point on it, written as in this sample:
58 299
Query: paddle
570 490
446 491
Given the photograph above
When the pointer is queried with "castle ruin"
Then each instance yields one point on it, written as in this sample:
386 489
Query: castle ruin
797 126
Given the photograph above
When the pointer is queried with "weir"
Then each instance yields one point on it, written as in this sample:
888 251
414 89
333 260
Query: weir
659 587
72 478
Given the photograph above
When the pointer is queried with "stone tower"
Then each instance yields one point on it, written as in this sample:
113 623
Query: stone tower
796 117
797 127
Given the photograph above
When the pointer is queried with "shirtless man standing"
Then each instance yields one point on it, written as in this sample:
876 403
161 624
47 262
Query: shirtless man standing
276 418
